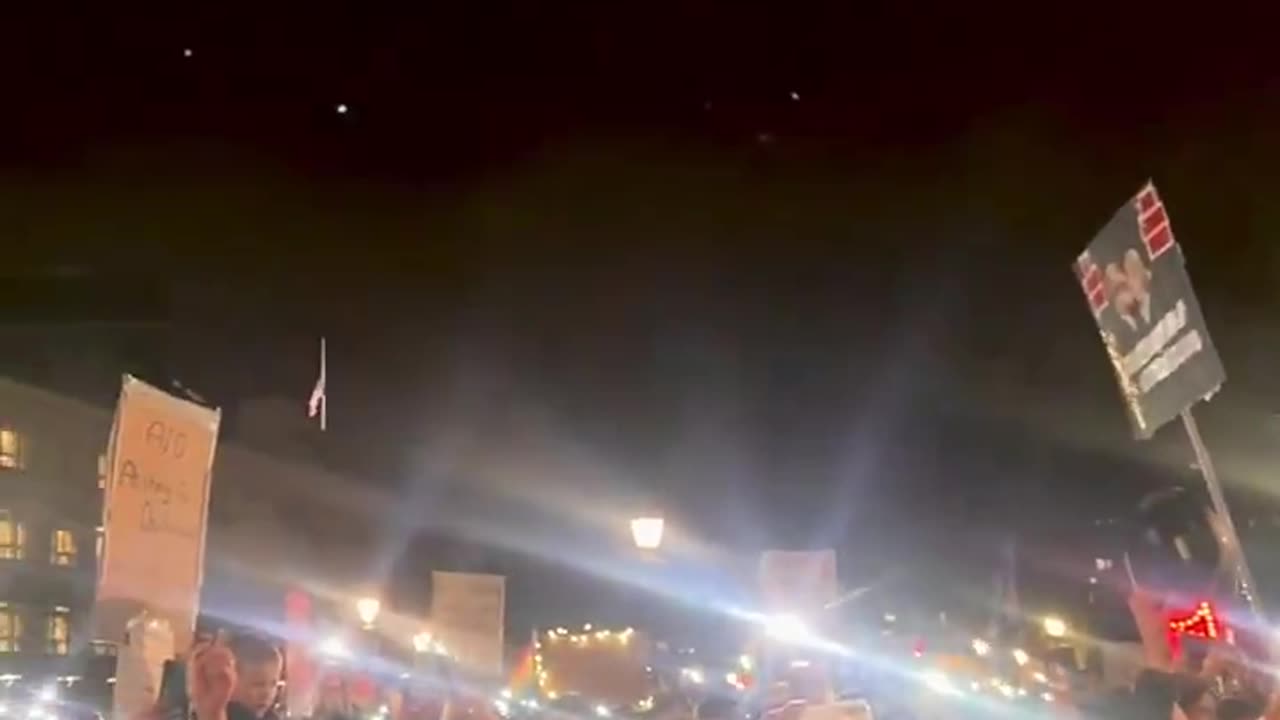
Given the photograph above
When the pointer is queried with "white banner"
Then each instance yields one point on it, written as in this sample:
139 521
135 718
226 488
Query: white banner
468 611
156 508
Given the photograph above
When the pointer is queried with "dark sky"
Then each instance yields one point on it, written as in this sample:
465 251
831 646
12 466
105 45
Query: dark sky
771 262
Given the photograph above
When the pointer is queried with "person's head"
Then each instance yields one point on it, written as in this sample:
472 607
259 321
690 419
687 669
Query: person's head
1136 271
717 708
1238 709
1196 701
1119 290
258 670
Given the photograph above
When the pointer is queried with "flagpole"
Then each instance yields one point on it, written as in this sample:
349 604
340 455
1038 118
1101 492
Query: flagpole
324 378
1231 538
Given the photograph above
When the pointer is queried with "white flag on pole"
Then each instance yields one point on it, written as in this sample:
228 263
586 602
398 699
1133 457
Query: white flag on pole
318 404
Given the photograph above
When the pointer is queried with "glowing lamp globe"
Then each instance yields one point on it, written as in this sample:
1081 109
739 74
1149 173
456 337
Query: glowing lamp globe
646 532
367 609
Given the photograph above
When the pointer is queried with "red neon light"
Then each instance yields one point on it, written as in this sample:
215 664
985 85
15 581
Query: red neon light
1202 623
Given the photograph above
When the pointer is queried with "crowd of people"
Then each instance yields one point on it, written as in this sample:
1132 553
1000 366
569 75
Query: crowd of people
239 678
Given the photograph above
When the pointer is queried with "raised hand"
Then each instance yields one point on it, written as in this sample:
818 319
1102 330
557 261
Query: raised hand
211 679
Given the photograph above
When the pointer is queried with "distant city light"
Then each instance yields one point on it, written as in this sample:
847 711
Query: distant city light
341 108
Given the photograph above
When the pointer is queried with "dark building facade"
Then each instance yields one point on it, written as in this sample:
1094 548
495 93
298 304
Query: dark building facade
50 513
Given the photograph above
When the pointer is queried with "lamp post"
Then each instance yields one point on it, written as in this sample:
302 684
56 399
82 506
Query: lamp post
367 609
646 531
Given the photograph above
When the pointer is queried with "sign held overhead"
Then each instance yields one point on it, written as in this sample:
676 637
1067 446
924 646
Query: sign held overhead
468 614
1135 280
156 507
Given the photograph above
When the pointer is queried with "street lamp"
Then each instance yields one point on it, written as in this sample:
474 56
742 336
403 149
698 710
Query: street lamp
646 531
367 609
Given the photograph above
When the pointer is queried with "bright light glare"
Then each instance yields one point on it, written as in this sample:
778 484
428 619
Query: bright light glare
422 642
1021 657
506 693
646 532
981 647
940 684
334 647
693 675
502 707
602 711
48 693
367 609
1055 627
787 628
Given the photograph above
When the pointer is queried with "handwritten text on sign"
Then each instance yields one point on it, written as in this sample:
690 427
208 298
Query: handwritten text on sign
157 503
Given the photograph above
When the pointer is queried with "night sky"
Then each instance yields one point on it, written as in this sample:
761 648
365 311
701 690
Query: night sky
801 272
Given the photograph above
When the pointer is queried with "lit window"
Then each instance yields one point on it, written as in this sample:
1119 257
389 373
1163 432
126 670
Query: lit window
99 540
13 537
64 548
58 633
10 449
10 629
102 472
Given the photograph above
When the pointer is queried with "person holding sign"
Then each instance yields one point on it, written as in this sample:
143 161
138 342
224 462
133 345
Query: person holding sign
238 680
225 680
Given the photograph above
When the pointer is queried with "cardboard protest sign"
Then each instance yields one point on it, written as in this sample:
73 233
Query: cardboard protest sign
156 507
1135 280
468 613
